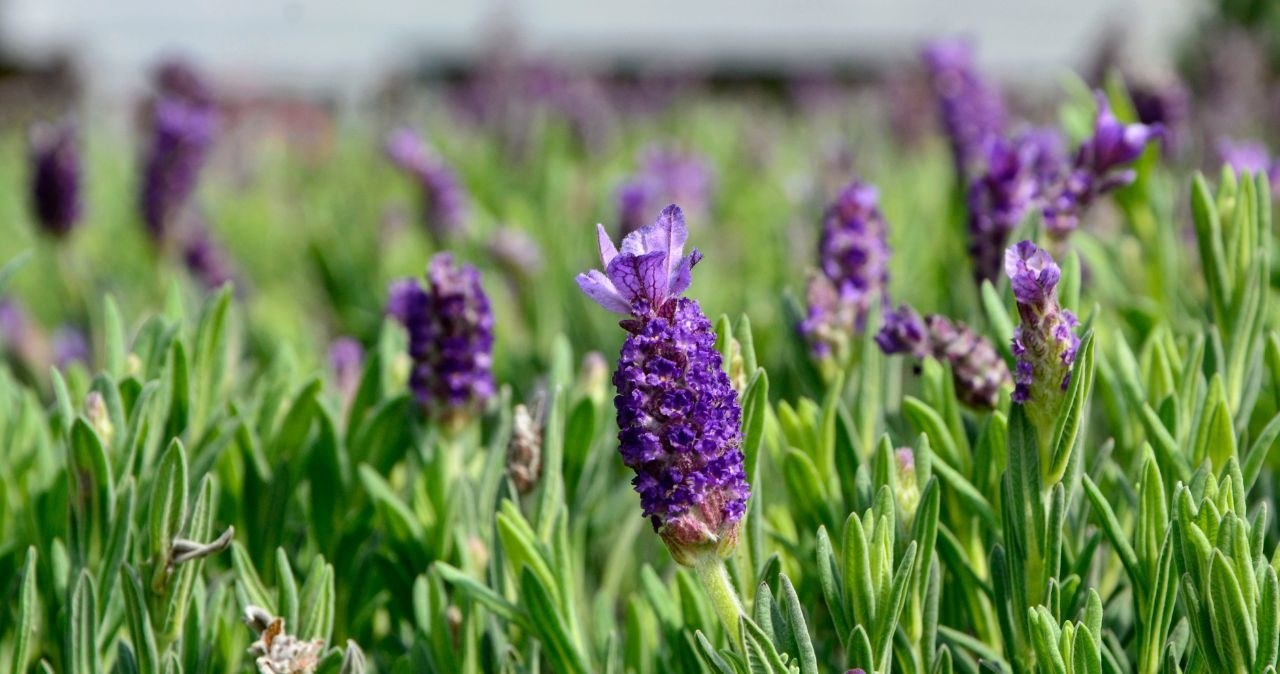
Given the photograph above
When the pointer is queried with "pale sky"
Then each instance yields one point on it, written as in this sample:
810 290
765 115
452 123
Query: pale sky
346 43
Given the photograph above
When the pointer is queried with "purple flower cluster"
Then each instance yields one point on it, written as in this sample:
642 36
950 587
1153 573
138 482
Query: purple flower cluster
1045 342
854 259
204 258
450 328
1165 104
666 176
1250 157
1101 165
444 202
183 123
1017 172
977 371
678 415
55 177
346 360
970 106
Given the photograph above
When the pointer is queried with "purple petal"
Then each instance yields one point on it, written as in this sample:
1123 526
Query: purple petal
640 276
680 276
607 250
599 288
401 298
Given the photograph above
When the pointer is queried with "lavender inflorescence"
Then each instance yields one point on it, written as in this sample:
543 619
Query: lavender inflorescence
450 328
183 122
678 414
444 201
977 371
55 177
969 105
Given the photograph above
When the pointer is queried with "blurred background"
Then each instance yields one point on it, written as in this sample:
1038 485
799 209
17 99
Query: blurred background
246 142
331 46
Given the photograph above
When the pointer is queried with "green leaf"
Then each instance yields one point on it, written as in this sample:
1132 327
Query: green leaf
549 625
25 627
140 631
999 320
1115 534
250 584
83 637
168 507
481 594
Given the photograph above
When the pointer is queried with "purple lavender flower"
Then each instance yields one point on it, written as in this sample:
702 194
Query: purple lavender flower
14 332
666 175
828 322
450 328
1101 166
182 132
55 177
977 371
970 106
903 332
678 415
346 361
1016 170
204 258
854 251
1165 104
1045 342
444 202
1250 156
69 346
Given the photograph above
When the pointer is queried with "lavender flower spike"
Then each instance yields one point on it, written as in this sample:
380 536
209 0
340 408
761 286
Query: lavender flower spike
854 252
1016 172
977 371
678 415
55 177
1101 165
1045 342
970 107
450 328
444 202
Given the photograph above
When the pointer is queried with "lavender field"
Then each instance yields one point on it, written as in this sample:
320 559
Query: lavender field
524 366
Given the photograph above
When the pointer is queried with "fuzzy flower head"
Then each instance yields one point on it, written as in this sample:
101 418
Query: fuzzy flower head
666 176
854 252
978 373
679 418
182 132
647 271
1017 170
969 106
55 177
1045 342
444 201
1250 157
450 328
1103 164
828 322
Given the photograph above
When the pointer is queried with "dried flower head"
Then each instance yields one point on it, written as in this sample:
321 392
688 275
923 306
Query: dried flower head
977 371
524 450
276 651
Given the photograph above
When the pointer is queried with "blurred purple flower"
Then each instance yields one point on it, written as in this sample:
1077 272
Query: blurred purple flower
516 253
346 361
182 133
69 346
55 177
854 249
204 258
969 105
444 201
666 176
450 326
1017 171
1165 104
1250 156
1102 165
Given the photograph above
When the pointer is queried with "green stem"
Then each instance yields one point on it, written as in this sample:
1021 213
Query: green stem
715 580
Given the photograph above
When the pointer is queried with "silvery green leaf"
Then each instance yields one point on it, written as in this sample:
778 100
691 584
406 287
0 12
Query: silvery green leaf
286 589
761 654
140 630
82 637
317 603
168 507
248 582
793 615
352 659
26 625
549 626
